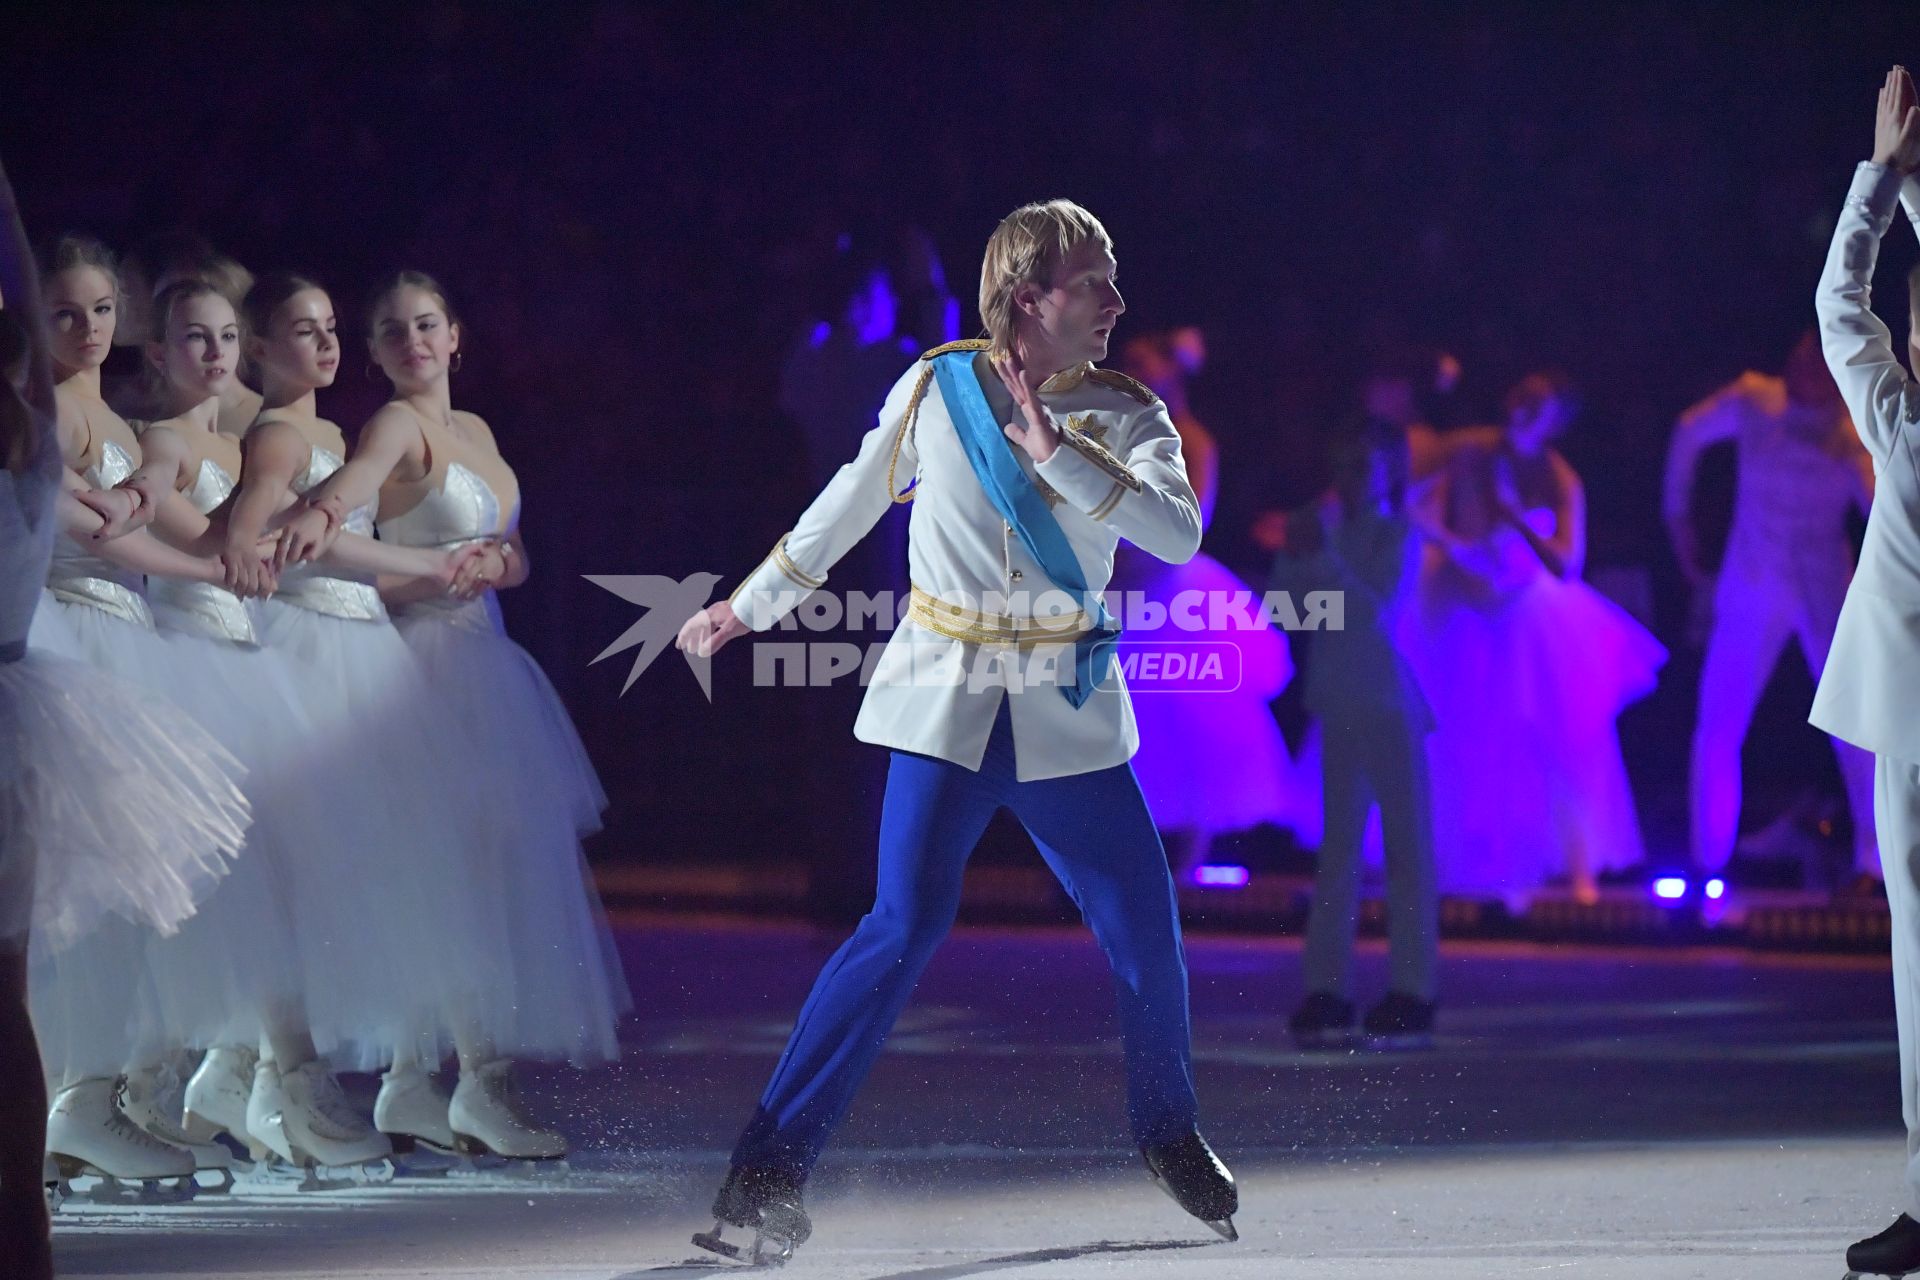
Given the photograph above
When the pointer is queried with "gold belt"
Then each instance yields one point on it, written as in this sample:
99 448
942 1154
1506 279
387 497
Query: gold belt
957 622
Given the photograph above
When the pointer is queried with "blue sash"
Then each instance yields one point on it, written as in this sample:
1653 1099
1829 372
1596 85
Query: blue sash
1019 503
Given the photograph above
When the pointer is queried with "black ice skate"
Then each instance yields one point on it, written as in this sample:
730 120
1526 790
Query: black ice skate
766 1203
1323 1021
1193 1177
1894 1252
1399 1021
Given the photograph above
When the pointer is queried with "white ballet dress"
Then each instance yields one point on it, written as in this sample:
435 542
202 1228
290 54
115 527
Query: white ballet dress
121 812
525 870
1526 680
216 979
390 955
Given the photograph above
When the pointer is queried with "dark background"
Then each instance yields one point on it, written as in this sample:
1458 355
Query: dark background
632 206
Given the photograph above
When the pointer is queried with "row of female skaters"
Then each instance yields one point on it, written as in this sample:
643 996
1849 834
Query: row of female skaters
412 888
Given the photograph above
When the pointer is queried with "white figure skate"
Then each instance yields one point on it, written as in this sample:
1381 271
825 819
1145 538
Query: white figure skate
87 1136
486 1118
154 1097
303 1118
412 1111
216 1099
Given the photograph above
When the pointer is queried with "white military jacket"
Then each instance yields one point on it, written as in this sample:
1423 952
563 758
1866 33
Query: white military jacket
1869 694
986 622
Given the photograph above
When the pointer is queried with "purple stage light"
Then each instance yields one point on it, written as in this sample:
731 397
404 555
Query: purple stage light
1221 875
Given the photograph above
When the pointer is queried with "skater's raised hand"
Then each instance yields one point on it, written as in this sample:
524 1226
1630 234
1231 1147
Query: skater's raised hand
1896 124
706 631
1038 436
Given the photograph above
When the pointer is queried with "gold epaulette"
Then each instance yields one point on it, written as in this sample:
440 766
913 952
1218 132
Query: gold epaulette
1121 382
965 344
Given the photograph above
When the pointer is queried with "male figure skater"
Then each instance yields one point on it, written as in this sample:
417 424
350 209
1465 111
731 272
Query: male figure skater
1785 573
1867 694
1025 465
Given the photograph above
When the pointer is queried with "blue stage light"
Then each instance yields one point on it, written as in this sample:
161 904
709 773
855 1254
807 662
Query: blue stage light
1221 875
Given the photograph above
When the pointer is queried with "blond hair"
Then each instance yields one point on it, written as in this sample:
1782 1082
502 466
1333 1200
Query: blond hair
1027 248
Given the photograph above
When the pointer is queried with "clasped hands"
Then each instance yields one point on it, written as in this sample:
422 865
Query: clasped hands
464 573
1896 124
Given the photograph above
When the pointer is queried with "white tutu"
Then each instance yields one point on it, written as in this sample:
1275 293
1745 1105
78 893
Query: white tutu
525 872
235 960
389 949
1211 760
116 804
94 1003
1527 775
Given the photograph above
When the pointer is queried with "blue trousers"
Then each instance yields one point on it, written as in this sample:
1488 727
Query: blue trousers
1095 833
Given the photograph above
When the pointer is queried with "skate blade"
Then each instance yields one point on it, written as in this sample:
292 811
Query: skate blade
100 1187
148 1191
1222 1227
309 1176
416 1157
765 1251
474 1149
221 1184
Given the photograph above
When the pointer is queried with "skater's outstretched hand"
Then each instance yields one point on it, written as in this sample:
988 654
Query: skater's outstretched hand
1038 435
1896 124
706 631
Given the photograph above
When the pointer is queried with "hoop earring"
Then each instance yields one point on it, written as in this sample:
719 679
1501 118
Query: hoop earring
454 365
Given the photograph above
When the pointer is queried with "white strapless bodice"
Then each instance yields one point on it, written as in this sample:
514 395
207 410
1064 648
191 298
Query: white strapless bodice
463 509
77 576
326 590
204 608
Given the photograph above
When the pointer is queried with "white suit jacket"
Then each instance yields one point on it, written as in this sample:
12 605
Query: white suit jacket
1118 474
1870 692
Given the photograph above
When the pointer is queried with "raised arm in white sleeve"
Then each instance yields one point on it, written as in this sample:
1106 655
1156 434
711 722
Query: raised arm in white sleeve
1859 349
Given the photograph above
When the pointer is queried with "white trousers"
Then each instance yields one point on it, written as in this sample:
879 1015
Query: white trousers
1755 614
1896 797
